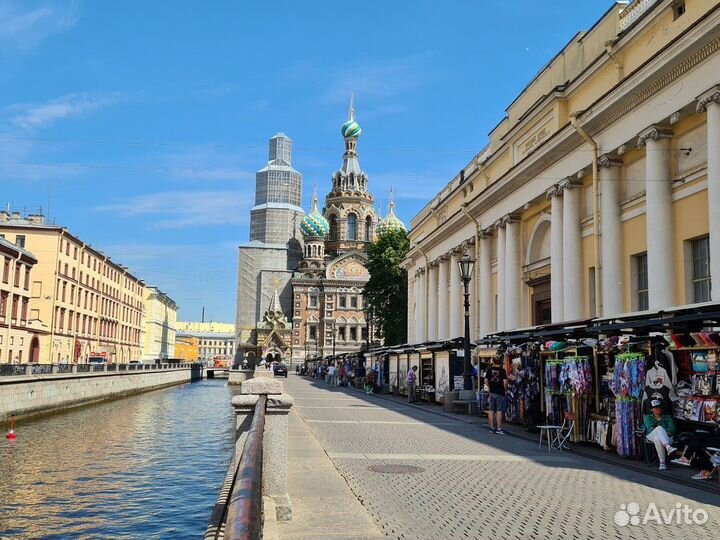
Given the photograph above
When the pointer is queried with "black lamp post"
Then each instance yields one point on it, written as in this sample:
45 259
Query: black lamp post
466 265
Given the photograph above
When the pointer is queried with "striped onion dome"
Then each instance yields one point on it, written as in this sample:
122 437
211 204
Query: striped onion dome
315 224
391 223
351 129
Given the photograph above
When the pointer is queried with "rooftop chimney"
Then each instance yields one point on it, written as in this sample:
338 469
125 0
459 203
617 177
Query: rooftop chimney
16 216
36 219
4 216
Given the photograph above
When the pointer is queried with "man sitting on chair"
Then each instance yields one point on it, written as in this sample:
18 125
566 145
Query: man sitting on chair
659 429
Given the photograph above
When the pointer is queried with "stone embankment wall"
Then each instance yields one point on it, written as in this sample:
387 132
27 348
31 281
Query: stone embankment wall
37 394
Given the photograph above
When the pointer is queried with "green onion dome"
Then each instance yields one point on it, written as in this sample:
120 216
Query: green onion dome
315 224
351 129
391 223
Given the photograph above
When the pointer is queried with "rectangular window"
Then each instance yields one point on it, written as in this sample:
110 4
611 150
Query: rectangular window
313 301
6 271
353 333
678 9
353 301
364 331
342 301
341 333
20 240
591 292
642 300
313 332
27 278
700 248
18 267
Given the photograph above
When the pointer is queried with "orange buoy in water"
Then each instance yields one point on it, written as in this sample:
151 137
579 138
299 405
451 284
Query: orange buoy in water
11 434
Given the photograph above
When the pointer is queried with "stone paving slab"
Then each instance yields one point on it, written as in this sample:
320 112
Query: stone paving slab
323 504
468 483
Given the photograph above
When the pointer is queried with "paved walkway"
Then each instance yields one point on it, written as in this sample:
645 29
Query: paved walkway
419 475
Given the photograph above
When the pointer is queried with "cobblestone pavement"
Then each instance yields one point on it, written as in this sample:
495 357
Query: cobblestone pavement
465 483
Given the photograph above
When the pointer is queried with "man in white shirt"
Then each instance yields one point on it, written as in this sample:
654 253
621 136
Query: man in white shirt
331 375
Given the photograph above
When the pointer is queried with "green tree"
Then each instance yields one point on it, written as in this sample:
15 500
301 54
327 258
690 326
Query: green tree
386 291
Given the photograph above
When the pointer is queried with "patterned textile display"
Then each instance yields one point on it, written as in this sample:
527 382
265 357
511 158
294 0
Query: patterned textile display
628 385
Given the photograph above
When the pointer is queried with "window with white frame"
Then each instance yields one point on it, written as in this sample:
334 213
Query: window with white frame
701 285
641 299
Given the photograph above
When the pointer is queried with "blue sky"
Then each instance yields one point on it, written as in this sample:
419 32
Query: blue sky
141 124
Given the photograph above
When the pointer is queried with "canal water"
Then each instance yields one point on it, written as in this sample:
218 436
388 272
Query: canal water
141 467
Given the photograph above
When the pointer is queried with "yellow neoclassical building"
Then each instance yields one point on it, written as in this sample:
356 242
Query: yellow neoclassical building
88 304
21 337
160 325
596 193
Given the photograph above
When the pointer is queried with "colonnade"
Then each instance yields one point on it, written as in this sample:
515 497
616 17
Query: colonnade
438 288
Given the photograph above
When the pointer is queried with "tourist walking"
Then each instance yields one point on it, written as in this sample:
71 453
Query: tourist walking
411 381
496 381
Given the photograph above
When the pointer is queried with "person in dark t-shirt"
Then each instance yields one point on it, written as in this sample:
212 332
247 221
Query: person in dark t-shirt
496 381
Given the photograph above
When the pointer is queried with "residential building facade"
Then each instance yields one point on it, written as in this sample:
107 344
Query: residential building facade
22 339
596 193
160 325
187 348
214 340
90 305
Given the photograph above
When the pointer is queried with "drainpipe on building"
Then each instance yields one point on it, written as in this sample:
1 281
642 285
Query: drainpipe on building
476 281
427 288
596 211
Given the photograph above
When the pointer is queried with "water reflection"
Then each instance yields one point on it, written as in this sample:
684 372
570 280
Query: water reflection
146 466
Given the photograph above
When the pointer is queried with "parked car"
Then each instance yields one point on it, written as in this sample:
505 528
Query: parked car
280 370
135 362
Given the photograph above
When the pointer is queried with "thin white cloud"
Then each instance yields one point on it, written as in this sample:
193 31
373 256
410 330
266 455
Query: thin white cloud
22 28
29 116
178 209
378 80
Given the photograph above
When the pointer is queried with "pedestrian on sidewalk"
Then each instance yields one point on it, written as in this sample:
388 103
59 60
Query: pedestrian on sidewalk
411 381
331 375
496 381
659 429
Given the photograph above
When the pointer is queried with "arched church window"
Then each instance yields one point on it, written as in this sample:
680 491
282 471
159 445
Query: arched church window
352 227
368 228
333 228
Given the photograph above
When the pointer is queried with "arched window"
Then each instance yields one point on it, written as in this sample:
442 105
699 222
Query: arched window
333 228
368 228
352 227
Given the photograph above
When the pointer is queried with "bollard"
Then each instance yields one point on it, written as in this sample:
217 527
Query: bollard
55 368
28 369
74 368
275 437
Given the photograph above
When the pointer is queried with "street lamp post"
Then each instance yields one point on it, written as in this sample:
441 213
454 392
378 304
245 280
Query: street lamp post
466 265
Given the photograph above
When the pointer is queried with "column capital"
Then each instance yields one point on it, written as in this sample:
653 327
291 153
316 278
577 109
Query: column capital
653 133
421 270
708 98
442 258
607 160
554 191
510 218
488 232
580 174
569 183
432 264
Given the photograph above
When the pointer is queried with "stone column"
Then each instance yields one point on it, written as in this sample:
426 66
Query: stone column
554 194
432 302
611 238
484 274
658 209
513 278
443 315
421 321
501 270
572 252
710 102
275 437
455 308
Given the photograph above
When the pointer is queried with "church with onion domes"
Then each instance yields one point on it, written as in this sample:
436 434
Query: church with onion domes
328 313
315 305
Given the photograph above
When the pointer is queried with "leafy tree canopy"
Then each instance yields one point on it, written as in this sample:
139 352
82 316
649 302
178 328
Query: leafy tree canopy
386 291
